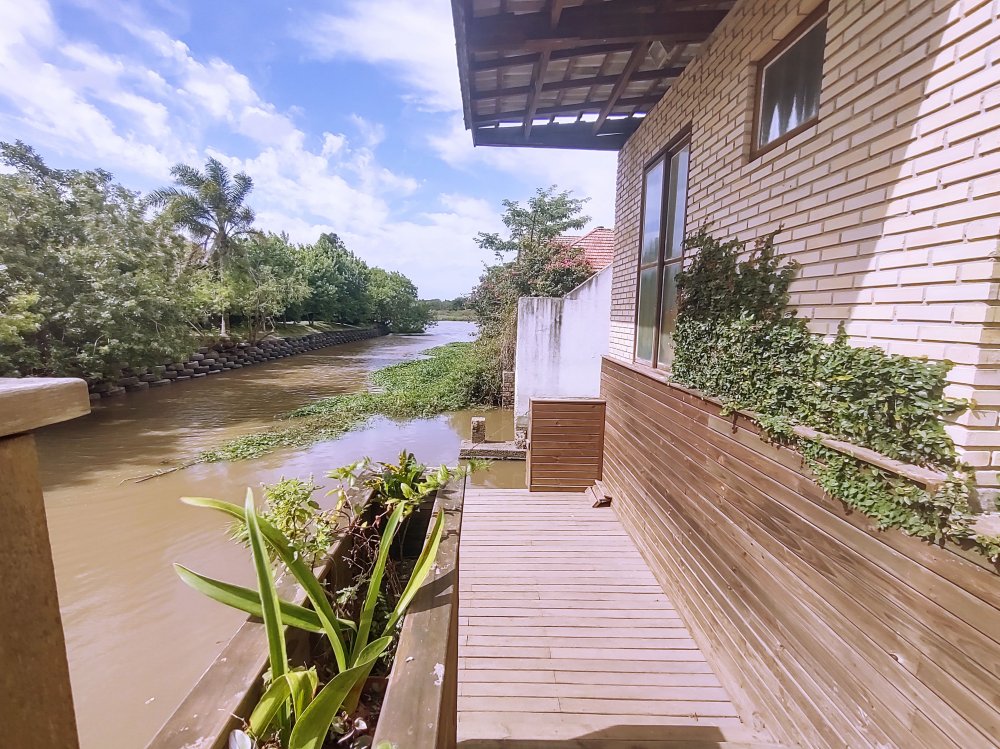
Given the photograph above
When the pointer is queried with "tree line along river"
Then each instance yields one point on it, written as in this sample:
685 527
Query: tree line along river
138 638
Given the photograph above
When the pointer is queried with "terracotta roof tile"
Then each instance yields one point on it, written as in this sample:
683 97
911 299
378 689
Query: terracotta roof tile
598 246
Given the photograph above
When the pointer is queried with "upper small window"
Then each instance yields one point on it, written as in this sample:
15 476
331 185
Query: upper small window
789 85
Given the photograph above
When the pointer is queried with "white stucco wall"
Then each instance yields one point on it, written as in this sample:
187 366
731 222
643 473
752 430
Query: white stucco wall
560 343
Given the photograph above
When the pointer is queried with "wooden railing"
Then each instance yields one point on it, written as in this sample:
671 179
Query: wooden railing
36 702
420 709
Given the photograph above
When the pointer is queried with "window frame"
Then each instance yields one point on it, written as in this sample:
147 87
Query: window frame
663 156
793 36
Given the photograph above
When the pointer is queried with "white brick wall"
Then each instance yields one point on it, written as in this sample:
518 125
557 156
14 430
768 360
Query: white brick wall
891 203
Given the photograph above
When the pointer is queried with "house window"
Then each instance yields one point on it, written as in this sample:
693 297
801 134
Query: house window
788 85
661 252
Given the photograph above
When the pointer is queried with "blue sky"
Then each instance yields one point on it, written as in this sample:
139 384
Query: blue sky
346 113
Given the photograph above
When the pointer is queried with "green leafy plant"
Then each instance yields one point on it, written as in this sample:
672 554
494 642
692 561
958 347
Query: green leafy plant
291 508
737 340
290 708
407 482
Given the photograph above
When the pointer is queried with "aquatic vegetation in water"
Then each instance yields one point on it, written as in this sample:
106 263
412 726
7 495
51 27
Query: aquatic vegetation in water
451 378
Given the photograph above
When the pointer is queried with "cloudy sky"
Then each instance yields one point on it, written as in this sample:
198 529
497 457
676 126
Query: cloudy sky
346 113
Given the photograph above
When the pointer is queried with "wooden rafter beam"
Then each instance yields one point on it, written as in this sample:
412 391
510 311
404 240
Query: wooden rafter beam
517 115
537 81
600 80
555 12
541 68
634 61
559 54
611 21
575 135
460 12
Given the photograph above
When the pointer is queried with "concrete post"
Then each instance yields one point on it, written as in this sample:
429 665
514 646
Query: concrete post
507 389
478 429
36 701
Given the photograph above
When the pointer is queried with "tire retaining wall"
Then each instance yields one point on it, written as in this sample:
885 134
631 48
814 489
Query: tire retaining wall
211 360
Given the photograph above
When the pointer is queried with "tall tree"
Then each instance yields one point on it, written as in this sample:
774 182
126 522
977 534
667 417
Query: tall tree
541 267
265 280
394 302
209 205
338 282
87 282
547 215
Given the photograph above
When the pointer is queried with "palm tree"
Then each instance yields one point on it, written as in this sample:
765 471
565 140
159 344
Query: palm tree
209 205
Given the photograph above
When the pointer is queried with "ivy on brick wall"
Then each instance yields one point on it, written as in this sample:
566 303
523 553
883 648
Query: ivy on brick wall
738 340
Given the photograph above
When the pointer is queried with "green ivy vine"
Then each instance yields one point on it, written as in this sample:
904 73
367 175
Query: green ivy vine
737 339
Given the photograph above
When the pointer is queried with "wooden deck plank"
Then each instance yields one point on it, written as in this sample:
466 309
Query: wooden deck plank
518 662
645 692
564 633
492 724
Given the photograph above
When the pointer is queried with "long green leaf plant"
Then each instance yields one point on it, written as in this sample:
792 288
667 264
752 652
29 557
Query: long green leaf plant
290 705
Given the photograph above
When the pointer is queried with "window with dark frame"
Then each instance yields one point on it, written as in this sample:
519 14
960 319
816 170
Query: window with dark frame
788 84
661 254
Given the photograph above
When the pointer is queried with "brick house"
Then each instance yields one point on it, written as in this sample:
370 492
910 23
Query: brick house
869 132
597 246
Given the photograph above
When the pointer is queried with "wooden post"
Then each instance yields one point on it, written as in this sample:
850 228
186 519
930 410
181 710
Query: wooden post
36 701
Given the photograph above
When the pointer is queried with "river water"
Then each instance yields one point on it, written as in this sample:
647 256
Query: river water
138 639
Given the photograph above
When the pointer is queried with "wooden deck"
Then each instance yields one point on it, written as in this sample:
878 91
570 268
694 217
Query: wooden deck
567 641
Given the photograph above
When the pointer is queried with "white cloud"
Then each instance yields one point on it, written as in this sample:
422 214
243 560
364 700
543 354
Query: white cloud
414 40
46 91
426 64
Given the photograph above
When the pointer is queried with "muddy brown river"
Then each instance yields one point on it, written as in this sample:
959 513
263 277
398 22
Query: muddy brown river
138 639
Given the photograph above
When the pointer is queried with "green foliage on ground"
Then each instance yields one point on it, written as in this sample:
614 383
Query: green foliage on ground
91 281
737 340
450 379
280 329
454 315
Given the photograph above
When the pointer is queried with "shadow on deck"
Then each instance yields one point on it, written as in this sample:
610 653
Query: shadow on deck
566 640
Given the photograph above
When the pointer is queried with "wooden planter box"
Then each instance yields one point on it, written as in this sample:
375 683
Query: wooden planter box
420 708
229 690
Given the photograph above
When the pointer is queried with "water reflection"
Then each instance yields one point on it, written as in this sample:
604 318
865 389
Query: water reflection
138 638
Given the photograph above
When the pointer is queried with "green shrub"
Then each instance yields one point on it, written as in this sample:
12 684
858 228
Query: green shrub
737 340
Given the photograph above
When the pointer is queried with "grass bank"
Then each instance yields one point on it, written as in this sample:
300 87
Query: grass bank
451 378
458 315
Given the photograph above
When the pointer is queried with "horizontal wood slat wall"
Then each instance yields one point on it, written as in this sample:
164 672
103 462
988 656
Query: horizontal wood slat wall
565 443
827 631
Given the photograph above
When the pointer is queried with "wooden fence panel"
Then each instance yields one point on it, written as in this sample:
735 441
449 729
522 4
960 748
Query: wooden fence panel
565 443
828 631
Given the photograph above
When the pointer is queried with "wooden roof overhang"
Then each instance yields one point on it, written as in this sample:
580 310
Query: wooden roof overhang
572 73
